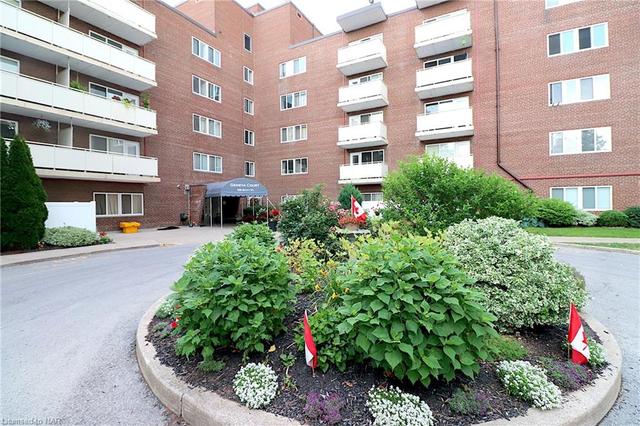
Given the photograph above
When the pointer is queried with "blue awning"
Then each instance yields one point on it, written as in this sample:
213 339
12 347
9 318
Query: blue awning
241 187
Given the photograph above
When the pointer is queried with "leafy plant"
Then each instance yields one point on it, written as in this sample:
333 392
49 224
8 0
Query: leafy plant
506 348
312 263
128 103
211 366
260 232
566 374
234 293
324 408
393 407
556 212
75 84
596 352
468 403
529 383
613 218
256 385
523 284
584 218
633 213
160 327
69 236
288 360
347 191
531 222
145 99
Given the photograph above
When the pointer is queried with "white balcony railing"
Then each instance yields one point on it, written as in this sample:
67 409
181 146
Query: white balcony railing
444 79
362 57
55 34
363 135
363 173
446 124
64 158
443 34
363 96
63 99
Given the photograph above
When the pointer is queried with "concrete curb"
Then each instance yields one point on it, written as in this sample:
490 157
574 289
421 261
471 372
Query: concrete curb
584 246
196 406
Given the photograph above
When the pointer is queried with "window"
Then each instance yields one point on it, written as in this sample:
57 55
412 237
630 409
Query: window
294 166
365 79
110 93
585 197
9 64
16 3
207 89
248 43
446 60
118 204
249 137
579 90
446 105
372 197
207 163
548 4
578 39
207 126
203 51
247 75
114 145
367 157
456 152
8 129
293 67
248 106
370 117
580 141
293 100
249 168
111 42
293 133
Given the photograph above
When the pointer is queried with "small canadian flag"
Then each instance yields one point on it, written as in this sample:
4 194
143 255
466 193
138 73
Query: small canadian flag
577 338
357 210
310 353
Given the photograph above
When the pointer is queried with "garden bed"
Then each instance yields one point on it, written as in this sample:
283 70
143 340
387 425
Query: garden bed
353 385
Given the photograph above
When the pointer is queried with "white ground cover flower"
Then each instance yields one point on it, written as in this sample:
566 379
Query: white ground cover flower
392 407
256 385
529 383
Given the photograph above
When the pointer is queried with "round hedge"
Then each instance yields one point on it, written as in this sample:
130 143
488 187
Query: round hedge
613 218
69 236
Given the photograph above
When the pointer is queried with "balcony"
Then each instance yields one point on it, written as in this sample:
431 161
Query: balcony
362 57
123 18
63 162
361 18
444 34
363 96
27 33
363 174
362 136
446 124
33 97
421 4
444 80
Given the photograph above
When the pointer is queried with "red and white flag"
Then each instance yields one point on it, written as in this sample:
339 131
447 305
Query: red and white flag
310 353
577 338
357 210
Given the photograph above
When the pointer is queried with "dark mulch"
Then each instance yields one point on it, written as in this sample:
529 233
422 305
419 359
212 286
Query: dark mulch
353 385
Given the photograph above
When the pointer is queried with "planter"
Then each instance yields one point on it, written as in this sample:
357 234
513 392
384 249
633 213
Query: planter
351 226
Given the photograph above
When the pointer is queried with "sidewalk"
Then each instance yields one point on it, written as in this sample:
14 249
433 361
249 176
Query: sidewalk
593 240
143 238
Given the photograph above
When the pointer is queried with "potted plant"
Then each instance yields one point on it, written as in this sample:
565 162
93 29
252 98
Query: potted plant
350 223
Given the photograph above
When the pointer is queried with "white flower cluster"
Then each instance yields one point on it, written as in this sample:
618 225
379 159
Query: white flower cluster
255 385
392 407
530 383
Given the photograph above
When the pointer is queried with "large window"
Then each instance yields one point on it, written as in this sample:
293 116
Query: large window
365 79
247 75
207 126
367 157
580 141
579 90
578 39
207 163
113 43
8 129
370 117
249 137
446 60
293 100
206 88
548 4
248 43
372 197
9 64
585 197
111 93
456 152
294 166
293 67
249 168
118 204
114 145
446 105
293 133
203 51
248 106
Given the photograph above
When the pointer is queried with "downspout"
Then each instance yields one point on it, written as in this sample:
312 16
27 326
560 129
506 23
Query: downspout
497 49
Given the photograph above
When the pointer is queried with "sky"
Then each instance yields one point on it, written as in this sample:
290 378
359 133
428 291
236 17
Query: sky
323 12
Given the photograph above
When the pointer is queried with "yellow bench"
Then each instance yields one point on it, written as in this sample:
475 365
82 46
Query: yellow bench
129 227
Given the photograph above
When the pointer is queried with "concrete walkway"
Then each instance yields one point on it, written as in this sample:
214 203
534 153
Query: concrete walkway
143 239
594 240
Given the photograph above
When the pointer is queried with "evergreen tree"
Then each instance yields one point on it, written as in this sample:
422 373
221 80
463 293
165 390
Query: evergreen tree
23 198
344 198
4 167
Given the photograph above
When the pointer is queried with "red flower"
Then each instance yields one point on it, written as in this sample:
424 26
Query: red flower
174 323
275 212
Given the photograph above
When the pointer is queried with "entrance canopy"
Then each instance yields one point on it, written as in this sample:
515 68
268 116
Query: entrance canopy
241 187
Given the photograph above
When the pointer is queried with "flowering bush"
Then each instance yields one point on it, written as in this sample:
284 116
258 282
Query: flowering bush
523 283
346 220
324 408
256 385
168 307
529 383
393 407
584 218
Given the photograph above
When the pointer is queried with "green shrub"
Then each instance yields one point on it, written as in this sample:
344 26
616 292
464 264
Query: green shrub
259 231
235 293
506 348
556 212
633 213
344 198
523 284
307 216
433 193
613 218
469 403
312 263
584 218
69 236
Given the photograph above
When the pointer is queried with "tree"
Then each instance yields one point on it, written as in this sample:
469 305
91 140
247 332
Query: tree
344 198
23 198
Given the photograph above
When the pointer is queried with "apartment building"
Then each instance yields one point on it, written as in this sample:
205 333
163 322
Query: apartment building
543 92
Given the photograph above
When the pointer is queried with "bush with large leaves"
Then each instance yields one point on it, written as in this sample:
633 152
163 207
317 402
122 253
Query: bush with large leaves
523 283
433 193
235 293
259 231
308 216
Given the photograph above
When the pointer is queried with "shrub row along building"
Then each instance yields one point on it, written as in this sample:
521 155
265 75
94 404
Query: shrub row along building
137 105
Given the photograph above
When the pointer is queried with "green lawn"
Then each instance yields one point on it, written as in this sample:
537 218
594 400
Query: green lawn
627 246
588 232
